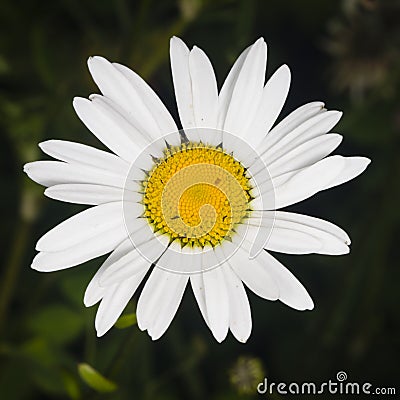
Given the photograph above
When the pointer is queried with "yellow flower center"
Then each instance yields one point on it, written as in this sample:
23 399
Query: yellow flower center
197 194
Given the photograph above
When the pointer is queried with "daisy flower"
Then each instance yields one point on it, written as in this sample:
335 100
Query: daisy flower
195 204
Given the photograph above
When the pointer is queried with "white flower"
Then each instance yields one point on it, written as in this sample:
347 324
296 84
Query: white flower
198 204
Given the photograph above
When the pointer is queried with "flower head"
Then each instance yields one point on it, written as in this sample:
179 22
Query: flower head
197 204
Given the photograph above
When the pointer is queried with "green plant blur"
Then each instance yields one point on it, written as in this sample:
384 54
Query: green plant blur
345 53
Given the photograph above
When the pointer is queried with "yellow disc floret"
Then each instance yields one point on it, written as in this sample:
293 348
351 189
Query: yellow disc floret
196 194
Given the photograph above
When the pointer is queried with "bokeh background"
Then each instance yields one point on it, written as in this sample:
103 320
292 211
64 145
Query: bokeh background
343 52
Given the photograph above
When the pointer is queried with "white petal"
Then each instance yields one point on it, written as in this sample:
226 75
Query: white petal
248 90
204 89
256 278
168 304
302 234
316 223
77 153
259 231
239 308
329 172
179 54
147 302
126 122
94 292
128 265
92 224
273 98
308 181
49 173
197 284
311 128
293 120
225 94
291 291
232 144
353 167
217 303
115 86
160 283
187 260
84 193
148 243
160 113
305 154
267 186
79 253
292 241
108 130
114 301
133 261
333 240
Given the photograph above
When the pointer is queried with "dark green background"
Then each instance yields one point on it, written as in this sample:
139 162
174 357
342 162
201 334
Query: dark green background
344 53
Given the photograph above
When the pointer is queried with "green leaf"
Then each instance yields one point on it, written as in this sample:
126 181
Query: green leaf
125 321
71 386
56 323
74 283
95 380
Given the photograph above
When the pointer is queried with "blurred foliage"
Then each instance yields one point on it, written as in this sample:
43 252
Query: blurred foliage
346 53
365 45
95 380
246 374
125 321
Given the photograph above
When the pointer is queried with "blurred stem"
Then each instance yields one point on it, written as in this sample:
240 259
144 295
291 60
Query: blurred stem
90 339
123 352
160 54
18 244
185 365
10 275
